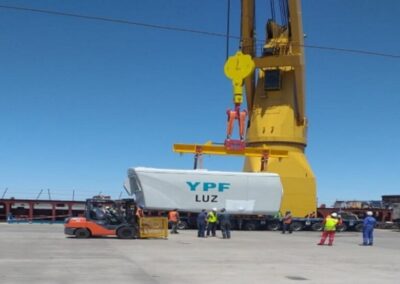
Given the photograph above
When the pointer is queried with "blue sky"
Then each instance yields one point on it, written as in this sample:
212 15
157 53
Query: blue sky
83 100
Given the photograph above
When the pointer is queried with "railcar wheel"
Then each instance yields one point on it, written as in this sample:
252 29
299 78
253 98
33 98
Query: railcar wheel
296 226
359 227
273 226
183 225
250 226
317 227
341 228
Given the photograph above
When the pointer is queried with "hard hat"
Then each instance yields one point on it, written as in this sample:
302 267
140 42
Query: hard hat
369 213
214 209
334 214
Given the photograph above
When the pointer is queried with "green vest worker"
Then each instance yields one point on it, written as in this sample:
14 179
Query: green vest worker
330 224
212 222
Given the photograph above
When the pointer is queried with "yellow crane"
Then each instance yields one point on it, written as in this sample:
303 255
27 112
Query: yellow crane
276 104
275 96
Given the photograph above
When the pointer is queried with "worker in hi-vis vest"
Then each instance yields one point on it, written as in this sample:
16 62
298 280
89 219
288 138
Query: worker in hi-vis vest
212 222
330 223
173 218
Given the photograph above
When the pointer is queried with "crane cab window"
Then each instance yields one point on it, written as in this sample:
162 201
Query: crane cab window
272 80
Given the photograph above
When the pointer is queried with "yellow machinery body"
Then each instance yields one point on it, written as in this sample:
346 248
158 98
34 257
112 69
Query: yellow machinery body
275 97
277 116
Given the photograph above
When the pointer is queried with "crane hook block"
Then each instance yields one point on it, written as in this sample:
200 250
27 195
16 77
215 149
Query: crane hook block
237 68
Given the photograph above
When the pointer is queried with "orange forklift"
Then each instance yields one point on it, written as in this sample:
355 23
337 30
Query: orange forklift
105 217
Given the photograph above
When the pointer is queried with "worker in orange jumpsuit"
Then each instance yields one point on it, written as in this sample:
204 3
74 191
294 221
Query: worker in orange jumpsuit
330 224
173 218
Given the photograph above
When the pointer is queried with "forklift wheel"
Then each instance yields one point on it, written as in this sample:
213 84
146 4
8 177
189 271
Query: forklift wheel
126 233
82 233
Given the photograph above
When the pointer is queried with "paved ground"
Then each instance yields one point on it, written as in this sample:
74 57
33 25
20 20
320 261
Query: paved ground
42 254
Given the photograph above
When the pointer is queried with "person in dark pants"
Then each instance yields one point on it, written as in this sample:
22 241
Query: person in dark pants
201 224
173 218
225 223
212 222
368 229
286 222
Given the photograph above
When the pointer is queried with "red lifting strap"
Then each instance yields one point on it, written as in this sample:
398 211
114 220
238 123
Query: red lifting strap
232 116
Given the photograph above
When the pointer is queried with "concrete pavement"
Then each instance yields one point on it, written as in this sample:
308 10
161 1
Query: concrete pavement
42 254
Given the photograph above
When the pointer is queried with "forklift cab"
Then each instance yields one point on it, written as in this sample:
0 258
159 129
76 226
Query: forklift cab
109 212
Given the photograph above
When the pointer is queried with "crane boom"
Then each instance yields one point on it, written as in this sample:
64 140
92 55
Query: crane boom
247 46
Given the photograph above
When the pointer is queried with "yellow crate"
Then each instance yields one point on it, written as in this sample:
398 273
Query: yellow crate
153 227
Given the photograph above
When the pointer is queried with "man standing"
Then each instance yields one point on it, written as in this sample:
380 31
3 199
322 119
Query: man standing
287 222
225 223
368 229
212 222
201 223
330 223
99 212
139 212
173 218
